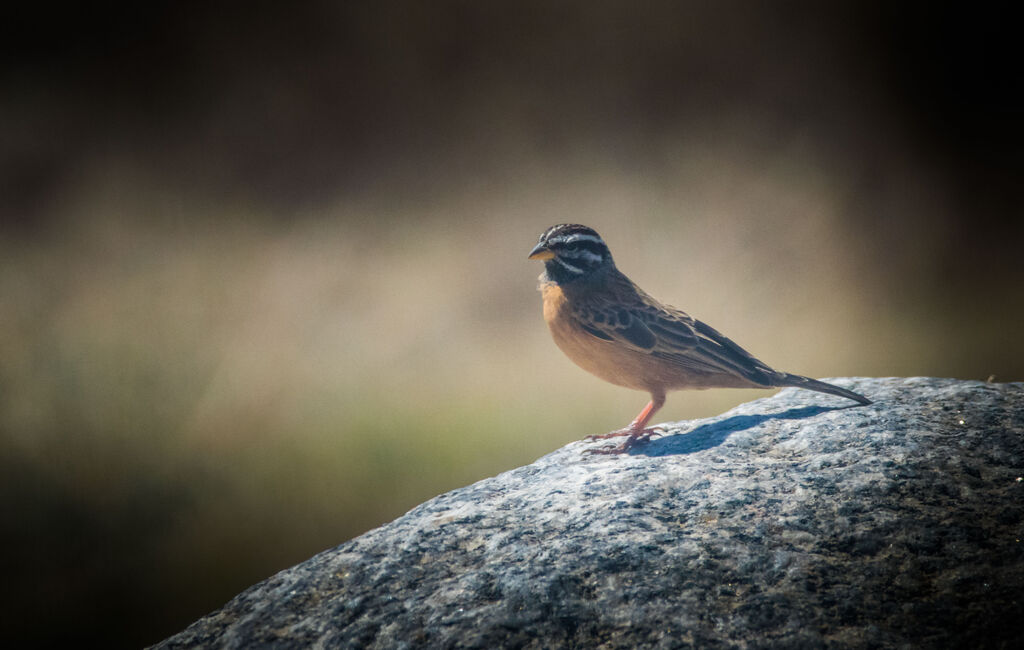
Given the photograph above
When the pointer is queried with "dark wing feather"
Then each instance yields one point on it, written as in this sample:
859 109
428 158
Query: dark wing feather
631 317
723 354
635 331
594 331
614 321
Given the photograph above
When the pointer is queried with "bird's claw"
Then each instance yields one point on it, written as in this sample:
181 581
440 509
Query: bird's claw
635 439
628 431
604 436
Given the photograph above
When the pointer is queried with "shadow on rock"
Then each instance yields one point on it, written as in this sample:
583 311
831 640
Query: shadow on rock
713 434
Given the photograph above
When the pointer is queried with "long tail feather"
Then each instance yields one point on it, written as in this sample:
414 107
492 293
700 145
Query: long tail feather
797 381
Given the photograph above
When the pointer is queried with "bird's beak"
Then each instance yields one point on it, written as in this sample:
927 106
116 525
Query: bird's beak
540 252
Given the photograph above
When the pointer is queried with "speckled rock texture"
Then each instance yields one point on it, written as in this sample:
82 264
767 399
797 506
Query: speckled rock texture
794 521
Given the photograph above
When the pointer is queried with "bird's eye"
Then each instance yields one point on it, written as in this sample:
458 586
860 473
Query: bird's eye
572 246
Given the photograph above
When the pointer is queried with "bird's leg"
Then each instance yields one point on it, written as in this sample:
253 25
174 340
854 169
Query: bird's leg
637 425
637 431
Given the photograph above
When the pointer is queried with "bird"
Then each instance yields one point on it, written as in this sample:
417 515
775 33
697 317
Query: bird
612 328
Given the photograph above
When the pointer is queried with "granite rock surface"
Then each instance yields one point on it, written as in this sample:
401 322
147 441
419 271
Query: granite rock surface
790 521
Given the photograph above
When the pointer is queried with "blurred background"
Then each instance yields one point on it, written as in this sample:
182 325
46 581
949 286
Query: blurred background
262 266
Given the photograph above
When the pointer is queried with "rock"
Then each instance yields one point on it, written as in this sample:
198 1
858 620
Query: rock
789 521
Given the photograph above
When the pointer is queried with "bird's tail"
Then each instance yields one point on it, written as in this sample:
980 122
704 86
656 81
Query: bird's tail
785 379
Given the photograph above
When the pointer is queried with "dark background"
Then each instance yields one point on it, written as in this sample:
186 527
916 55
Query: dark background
263 283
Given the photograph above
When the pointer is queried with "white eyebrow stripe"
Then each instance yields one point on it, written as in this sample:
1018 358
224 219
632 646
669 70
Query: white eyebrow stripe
591 257
583 237
568 239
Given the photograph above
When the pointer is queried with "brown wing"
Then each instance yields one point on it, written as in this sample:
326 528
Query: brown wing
609 317
632 318
712 349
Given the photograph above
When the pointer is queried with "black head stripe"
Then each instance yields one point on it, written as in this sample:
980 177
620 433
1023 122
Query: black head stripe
567 230
574 237
588 245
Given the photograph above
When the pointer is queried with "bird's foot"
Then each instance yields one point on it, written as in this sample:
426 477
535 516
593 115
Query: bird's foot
636 438
628 431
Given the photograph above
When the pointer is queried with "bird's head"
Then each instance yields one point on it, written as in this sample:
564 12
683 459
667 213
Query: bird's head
571 252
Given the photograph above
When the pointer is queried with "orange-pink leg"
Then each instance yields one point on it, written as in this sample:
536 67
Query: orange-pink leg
637 430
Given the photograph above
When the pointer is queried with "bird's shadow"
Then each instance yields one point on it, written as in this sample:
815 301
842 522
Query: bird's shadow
713 434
